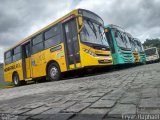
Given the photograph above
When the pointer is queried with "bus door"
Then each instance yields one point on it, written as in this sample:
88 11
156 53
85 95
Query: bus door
26 58
71 44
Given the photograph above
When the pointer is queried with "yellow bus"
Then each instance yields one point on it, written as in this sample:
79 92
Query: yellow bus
73 42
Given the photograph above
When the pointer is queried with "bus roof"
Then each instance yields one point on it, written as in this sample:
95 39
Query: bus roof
128 34
115 27
151 48
50 25
136 39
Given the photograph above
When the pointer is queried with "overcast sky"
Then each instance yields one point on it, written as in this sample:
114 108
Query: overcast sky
20 18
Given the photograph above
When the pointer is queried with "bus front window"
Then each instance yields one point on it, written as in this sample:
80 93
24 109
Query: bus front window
119 39
139 47
150 52
133 47
93 33
128 45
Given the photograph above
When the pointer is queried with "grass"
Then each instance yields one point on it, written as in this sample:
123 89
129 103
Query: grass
5 85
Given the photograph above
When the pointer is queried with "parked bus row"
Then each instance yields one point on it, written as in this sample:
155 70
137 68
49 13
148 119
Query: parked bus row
76 41
125 49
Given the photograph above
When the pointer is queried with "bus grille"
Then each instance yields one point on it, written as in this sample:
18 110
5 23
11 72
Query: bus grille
103 55
127 57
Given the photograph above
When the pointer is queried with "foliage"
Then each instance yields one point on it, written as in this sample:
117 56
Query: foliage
152 43
5 85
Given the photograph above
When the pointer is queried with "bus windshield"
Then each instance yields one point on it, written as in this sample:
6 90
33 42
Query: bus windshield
119 39
139 46
128 45
122 39
93 33
150 52
133 44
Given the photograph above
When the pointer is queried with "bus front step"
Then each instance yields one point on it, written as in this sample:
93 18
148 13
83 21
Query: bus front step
28 79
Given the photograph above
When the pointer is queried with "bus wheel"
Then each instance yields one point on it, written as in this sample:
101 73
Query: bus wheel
16 80
54 73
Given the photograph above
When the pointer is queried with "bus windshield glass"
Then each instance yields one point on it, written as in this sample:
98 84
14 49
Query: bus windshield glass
133 44
150 52
128 45
139 46
93 32
119 38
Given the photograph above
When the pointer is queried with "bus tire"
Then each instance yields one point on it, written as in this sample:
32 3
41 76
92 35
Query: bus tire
53 72
16 80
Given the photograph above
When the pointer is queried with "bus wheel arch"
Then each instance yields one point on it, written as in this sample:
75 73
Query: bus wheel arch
18 82
53 72
15 78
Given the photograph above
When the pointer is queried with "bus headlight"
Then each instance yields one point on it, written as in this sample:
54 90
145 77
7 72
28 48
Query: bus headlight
89 52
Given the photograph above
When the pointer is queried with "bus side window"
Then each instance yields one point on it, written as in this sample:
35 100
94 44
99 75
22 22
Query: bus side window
52 36
37 44
8 57
17 53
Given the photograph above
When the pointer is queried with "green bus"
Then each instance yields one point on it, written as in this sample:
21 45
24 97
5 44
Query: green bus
119 45
134 48
140 51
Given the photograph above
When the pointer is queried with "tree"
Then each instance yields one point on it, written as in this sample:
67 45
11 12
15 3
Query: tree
152 43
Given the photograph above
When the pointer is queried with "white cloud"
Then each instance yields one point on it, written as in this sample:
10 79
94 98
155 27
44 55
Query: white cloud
139 17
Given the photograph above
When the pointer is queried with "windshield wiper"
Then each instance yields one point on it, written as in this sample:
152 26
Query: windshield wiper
93 29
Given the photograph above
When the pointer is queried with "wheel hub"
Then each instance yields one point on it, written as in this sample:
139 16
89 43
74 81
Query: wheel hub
16 80
53 72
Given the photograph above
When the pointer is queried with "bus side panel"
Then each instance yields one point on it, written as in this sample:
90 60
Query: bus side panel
11 68
115 56
58 56
40 60
8 73
19 69
37 64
